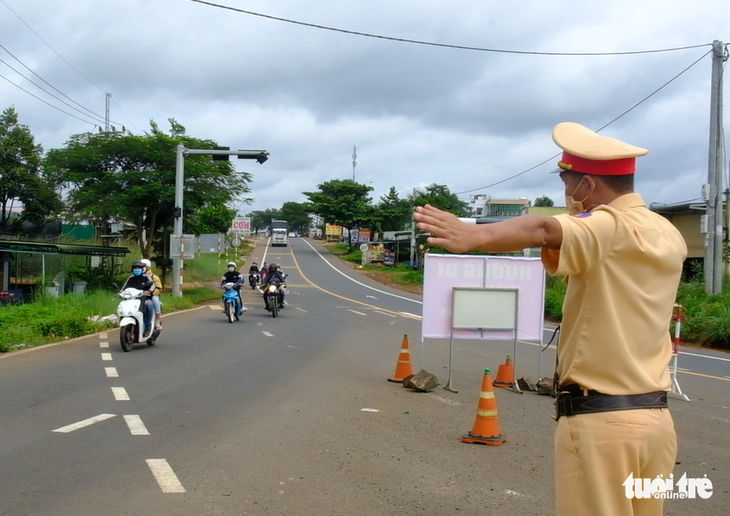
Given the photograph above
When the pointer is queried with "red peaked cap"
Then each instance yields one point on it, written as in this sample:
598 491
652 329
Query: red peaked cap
587 152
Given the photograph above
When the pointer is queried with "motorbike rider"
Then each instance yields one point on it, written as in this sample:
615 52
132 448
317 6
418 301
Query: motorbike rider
156 304
274 276
254 270
141 281
233 276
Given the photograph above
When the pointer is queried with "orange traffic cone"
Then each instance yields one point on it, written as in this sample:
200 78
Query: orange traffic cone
505 374
486 426
403 366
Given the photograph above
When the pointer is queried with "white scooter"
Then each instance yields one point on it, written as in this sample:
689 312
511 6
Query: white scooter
131 320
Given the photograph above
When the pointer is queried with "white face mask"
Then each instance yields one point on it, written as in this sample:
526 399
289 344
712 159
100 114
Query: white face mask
231 269
575 207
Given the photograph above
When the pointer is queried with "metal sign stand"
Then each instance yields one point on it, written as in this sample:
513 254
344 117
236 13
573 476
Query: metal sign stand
677 318
485 309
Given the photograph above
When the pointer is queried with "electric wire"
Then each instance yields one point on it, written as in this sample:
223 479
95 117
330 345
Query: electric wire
46 102
598 130
442 45
89 114
65 61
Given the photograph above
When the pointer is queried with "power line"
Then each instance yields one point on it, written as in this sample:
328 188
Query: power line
65 61
92 114
443 45
598 130
48 103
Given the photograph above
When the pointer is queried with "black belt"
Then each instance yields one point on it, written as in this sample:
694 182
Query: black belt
571 400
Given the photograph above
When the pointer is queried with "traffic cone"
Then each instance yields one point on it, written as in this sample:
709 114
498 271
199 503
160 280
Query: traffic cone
505 374
403 366
486 426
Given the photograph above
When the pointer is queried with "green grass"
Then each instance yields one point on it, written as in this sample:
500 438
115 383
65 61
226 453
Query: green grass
51 319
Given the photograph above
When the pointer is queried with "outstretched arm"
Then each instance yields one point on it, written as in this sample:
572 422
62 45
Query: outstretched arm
449 232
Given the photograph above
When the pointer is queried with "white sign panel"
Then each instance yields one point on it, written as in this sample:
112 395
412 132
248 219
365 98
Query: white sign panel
443 272
241 225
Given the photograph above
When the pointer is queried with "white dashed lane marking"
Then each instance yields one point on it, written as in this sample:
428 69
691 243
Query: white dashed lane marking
81 424
120 394
165 476
136 426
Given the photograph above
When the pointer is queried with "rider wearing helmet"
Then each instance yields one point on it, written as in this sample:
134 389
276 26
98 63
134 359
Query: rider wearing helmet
233 276
275 276
141 281
156 294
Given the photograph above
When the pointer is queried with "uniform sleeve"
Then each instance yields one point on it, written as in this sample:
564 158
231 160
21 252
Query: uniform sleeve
587 240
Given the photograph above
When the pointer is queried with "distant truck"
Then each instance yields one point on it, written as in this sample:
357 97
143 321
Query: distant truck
279 233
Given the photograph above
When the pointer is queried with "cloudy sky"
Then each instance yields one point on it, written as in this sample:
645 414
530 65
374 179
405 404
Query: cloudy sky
462 93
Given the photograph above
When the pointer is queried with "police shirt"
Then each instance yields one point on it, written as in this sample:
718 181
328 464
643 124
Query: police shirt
623 264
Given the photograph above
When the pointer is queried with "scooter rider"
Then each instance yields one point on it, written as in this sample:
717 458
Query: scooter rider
233 276
157 305
254 271
141 281
275 276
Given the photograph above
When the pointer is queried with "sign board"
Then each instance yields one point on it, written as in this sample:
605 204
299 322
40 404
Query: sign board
484 309
241 225
182 246
333 229
443 273
211 243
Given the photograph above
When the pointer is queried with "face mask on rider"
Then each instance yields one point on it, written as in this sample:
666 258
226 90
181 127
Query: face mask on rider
231 269
137 272
575 207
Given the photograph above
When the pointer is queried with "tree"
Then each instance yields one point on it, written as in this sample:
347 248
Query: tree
394 213
213 218
132 178
544 202
21 177
440 197
261 219
297 216
343 202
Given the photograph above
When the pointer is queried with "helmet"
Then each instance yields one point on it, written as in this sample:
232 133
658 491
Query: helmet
231 264
137 266
146 262
273 267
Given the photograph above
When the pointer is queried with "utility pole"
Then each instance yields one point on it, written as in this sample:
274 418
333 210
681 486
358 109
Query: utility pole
712 192
106 115
354 161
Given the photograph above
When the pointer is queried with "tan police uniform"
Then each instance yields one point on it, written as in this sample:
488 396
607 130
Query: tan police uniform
623 264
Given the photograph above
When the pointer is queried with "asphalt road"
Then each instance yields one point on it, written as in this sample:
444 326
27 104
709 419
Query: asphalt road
295 415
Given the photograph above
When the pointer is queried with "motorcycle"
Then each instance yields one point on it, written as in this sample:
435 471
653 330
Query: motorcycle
232 301
131 320
254 279
275 292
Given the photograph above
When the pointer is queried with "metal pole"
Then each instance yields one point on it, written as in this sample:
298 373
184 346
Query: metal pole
177 231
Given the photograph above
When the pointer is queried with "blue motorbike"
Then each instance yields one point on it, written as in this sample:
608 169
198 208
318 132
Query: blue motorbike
232 301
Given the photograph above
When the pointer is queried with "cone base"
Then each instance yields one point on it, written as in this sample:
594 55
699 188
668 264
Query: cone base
396 380
477 439
503 385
